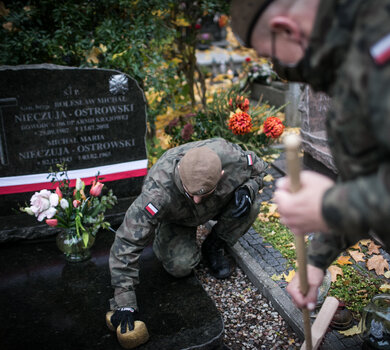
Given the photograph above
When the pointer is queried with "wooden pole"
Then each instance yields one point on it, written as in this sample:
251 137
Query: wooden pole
292 143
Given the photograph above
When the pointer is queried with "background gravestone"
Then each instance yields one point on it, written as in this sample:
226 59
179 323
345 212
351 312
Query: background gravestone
91 119
314 107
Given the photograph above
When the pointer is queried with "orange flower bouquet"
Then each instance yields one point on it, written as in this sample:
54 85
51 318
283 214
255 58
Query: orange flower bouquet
229 115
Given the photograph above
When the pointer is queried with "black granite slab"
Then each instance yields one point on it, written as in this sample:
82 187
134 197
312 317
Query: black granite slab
47 303
92 119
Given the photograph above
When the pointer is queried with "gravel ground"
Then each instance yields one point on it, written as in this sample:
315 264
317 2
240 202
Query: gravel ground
250 321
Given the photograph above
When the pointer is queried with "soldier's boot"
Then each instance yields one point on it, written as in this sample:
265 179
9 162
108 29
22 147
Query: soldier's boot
214 257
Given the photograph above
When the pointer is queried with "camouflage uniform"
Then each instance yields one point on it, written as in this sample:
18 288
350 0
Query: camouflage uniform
164 212
341 60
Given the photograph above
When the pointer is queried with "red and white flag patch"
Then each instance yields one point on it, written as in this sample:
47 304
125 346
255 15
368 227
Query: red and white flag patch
380 51
249 159
151 209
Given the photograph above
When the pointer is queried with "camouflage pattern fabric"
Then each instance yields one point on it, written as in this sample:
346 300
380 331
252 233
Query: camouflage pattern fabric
343 60
165 214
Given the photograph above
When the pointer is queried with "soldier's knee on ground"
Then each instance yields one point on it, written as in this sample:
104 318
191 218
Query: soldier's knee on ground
181 266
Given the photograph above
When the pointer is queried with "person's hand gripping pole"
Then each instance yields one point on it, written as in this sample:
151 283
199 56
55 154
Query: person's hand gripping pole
292 143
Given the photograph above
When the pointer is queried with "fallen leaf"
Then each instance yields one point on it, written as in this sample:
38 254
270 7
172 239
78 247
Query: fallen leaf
344 260
181 22
290 276
365 242
378 263
353 330
290 245
93 55
357 256
373 248
384 287
387 274
103 48
268 210
268 178
356 246
334 272
275 277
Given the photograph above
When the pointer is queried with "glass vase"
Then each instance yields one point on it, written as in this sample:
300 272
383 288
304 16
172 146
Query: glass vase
376 323
73 246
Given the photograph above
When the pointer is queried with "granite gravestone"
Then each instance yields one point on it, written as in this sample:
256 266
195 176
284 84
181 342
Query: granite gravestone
94 120
313 108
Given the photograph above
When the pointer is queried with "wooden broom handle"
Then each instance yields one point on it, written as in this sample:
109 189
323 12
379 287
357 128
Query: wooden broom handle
292 143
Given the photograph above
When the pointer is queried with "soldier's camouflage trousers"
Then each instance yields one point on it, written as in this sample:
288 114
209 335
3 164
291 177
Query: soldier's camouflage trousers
176 247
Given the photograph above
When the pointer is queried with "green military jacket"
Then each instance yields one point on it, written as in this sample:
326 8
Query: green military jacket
163 199
349 58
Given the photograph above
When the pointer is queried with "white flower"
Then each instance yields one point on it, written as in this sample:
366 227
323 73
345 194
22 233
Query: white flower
54 199
43 203
49 213
64 203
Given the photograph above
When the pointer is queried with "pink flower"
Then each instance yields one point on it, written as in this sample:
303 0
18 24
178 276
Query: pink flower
43 204
76 203
96 189
59 193
52 222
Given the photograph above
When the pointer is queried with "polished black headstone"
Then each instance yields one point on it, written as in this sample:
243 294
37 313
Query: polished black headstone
85 117
46 303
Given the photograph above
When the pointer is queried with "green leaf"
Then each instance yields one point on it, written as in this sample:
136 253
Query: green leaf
85 238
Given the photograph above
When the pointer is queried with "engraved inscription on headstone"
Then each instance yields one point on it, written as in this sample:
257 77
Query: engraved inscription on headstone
92 119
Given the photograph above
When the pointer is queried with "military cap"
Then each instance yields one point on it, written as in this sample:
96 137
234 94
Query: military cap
200 170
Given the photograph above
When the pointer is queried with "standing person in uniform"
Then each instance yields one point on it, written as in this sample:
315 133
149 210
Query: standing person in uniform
340 47
188 186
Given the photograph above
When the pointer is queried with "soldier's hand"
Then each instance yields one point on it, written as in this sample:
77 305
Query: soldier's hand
302 211
243 202
315 277
124 316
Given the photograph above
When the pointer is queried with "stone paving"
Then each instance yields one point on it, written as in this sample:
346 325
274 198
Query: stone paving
261 261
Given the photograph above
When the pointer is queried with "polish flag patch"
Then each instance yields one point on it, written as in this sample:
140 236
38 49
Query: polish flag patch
151 209
380 51
249 159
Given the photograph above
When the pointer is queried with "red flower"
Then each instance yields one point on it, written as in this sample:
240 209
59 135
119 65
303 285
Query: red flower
96 188
187 132
198 26
52 222
222 21
240 123
241 103
248 59
273 127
